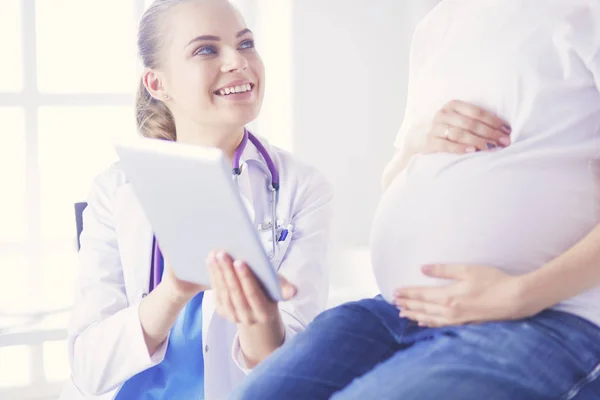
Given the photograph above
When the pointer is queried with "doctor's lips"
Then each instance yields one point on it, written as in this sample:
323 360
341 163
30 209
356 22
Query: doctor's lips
235 87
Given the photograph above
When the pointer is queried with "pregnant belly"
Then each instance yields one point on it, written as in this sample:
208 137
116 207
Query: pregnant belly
512 217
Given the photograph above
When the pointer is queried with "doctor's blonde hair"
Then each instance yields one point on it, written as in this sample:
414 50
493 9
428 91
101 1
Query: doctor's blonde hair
154 119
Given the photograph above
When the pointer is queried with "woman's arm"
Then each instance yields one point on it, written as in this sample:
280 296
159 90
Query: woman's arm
573 272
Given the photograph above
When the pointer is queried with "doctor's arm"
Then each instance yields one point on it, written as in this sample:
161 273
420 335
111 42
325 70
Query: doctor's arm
159 310
109 339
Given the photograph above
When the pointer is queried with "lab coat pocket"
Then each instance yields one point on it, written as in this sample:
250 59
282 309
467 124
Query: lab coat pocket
285 238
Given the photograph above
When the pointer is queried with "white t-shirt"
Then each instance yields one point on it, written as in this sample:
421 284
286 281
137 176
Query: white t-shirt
536 64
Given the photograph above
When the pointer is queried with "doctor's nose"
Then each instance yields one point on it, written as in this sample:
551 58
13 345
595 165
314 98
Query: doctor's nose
234 61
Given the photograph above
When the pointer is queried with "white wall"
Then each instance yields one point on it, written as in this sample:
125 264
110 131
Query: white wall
349 76
349 82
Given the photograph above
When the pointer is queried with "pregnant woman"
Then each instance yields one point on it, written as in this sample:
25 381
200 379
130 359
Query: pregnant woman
486 244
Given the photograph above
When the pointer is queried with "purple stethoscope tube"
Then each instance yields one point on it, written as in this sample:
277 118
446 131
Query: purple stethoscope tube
157 259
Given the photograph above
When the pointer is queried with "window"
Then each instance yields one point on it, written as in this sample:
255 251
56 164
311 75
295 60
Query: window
69 72
11 78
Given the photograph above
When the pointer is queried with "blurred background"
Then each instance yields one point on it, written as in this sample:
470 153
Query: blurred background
336 83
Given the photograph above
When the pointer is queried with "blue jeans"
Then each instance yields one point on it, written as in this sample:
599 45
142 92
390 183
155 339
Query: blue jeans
364 350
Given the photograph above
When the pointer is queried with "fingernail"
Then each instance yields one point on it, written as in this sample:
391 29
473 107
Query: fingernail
238 265
505 140
289 291
221 256
506 128
470 150
398 293
427 268
490 146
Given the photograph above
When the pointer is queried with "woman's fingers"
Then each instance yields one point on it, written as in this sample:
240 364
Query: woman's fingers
451 125
441 145
478 114
462 136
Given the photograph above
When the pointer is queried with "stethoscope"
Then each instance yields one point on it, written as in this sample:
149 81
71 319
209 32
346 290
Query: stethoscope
157 259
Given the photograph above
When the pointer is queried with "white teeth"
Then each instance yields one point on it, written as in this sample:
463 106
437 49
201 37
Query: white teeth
236 89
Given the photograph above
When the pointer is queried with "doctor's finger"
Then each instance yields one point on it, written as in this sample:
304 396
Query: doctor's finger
236 294
253 292
213 281
222 294
288 289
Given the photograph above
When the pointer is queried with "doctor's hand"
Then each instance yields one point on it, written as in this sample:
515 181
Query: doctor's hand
459 127
239 296
181 291
475 294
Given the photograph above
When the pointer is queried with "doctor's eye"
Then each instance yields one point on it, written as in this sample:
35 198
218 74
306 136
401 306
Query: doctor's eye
247 44
205 50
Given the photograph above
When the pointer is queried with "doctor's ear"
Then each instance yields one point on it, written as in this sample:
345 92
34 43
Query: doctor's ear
153 81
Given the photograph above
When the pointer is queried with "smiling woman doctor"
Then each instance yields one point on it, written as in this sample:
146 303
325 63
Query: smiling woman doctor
203 82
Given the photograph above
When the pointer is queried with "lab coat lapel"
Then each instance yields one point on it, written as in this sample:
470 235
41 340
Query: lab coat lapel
135 242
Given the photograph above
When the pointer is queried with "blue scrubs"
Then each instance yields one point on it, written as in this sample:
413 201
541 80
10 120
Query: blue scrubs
181 374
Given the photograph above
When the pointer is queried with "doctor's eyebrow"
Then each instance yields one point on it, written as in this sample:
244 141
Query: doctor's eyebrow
217 38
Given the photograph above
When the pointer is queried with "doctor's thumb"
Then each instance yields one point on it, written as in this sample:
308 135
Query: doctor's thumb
288 290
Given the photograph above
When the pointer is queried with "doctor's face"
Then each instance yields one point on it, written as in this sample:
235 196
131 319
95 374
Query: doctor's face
211 70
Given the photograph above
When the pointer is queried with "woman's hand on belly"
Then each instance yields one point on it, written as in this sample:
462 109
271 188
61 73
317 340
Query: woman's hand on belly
478 294
460 127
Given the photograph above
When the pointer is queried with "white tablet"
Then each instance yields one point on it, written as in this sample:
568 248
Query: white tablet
194 206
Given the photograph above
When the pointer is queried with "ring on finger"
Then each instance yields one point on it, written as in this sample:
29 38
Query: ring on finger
447 133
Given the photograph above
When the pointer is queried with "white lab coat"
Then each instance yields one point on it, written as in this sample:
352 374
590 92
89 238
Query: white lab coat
106 344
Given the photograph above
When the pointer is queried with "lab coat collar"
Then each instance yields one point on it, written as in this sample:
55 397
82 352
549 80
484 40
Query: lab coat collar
248 184
252 153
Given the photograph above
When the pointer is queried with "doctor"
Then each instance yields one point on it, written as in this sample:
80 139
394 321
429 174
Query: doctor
203 82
